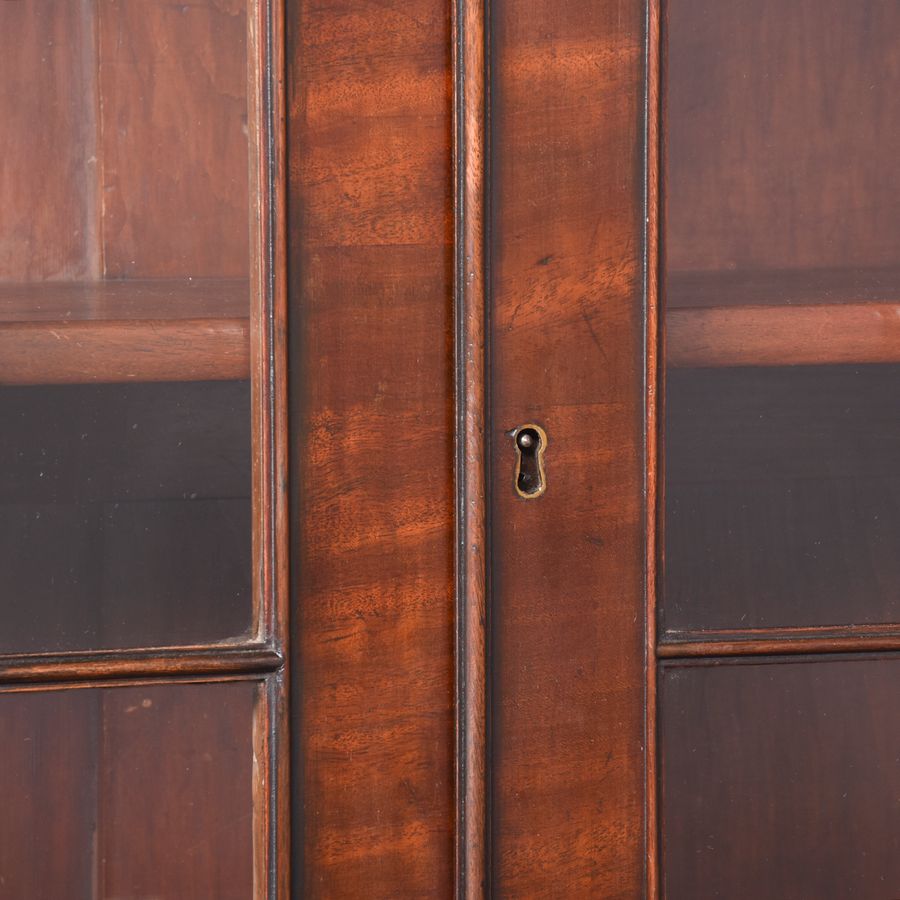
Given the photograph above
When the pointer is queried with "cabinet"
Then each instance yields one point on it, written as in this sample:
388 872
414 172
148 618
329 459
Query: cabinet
283 285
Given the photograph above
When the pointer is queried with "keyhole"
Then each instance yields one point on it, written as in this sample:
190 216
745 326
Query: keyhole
530 444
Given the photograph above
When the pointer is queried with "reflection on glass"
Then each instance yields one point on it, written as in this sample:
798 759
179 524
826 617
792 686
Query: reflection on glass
124 308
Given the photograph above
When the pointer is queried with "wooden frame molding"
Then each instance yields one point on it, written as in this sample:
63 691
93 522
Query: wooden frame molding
268 344
471 313
788 641
654 398
268 359
103 664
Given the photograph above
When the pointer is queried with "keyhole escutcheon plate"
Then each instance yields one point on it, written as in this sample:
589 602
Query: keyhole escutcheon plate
530 442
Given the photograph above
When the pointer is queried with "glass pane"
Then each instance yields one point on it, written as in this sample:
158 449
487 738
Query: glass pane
783 314
128 792
124 320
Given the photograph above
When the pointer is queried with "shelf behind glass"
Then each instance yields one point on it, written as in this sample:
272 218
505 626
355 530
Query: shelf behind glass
191 329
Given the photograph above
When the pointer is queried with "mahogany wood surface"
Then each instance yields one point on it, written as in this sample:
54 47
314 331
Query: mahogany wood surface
372 403
175 783
567 353
48 783
109 331
781 780
795 335
140 790
202 661
782 641
471 163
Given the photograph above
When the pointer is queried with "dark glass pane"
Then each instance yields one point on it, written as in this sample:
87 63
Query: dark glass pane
783 314
124 324
128 792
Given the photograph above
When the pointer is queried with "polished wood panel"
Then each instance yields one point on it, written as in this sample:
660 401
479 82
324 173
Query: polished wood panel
782 134
48 782
781 780
796 335
140 790
48 141
176 789
109 331
371 313
567 353
172 86
783 501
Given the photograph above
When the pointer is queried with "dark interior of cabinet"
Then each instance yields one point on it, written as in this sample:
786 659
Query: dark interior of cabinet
782 288
124 515
124 324
782 497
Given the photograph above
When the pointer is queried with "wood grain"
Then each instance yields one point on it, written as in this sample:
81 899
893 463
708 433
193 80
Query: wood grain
567 353
176 791
788 317
781 780
48 781
654 404
372 403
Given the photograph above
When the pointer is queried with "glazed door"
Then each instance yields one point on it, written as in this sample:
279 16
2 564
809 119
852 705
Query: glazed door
140 637
779 603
